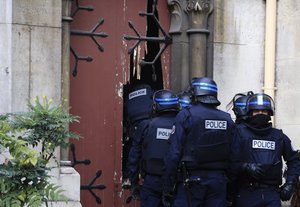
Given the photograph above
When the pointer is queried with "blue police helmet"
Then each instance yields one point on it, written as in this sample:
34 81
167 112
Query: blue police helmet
206 90
240 104
260 101
184 99
165 100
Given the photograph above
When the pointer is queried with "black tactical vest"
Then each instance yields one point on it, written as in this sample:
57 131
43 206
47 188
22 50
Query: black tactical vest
263 148
156 145
208 140
138 103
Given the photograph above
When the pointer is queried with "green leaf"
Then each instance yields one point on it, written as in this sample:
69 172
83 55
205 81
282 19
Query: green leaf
21 197
33 161
24 181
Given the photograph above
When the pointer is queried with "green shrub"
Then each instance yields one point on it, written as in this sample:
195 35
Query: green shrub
24 181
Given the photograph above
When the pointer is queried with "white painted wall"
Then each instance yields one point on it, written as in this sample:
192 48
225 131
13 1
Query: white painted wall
238 47
288 69
5 55
239 56
30 52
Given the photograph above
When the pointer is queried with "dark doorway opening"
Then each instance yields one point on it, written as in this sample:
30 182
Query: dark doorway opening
141 74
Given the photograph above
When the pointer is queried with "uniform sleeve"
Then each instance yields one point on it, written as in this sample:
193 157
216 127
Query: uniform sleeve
175 151
292 160
135 152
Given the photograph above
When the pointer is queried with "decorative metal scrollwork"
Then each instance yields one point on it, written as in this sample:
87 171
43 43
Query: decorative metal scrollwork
75 161
79 7
165 39
90 186
92 34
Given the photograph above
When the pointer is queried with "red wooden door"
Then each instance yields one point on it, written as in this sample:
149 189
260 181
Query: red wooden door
96 92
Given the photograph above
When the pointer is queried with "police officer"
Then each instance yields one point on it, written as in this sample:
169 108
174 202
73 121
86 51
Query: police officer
200 145
150 145
137 107
184 99
259 152
239 106
138 103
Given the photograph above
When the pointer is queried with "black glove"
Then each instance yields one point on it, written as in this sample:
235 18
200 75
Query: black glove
254 170
134 193
167 198
286 191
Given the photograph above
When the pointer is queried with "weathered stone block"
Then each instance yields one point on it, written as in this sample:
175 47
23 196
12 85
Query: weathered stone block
37 12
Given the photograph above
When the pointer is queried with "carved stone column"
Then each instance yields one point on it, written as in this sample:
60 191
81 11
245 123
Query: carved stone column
180 45
189 30
65 63
198 11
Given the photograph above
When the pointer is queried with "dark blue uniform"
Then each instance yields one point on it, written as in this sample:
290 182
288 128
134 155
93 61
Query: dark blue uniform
149 147
266 146
201 141
137 107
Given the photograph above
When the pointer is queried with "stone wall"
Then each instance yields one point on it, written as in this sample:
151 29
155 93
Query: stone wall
239 56
30 66
287 69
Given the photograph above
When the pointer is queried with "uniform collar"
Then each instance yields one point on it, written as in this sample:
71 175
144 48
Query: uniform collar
261 130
